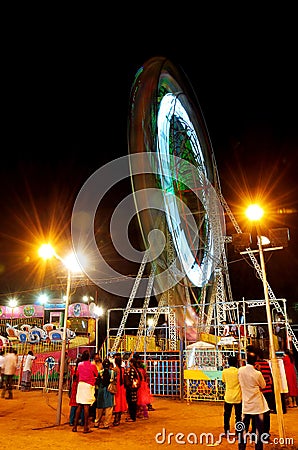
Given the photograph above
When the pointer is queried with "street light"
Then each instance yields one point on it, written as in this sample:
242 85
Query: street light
42 299
87 299
255 213
46 251
12 303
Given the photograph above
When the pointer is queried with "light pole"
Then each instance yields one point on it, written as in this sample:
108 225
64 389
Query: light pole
255 213
97 312
63 349
46 251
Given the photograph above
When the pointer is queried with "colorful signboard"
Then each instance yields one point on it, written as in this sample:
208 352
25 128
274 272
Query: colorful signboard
78 310
21 312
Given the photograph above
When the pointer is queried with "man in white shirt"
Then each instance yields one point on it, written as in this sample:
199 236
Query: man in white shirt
27 371
10 367
254 404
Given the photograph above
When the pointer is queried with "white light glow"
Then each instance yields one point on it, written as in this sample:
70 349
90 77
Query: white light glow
13 302
42 299
98 311
71 262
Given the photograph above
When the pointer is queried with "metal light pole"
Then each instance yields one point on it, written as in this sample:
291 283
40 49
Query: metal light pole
97 313
96 334
63 348
46 251
274 362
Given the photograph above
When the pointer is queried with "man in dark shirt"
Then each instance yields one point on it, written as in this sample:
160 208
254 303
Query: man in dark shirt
263 366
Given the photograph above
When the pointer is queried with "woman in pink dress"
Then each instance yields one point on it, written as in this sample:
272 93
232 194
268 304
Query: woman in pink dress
87 374
289 364
120 397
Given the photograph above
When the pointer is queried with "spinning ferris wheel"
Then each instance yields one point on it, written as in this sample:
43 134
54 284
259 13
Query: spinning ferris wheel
179 211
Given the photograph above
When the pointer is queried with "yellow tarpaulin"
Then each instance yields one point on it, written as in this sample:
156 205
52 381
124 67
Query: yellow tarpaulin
195 374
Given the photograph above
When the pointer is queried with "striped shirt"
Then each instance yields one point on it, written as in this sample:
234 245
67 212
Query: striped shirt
263 366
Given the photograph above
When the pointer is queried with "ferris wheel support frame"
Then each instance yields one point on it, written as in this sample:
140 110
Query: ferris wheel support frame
259 271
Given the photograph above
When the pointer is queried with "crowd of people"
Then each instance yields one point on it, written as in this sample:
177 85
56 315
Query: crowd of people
255 334
91 400
249 391
8 369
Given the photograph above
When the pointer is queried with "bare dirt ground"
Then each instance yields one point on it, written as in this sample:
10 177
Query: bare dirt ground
28 422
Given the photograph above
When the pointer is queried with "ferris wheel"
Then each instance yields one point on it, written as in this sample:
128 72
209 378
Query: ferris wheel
179 211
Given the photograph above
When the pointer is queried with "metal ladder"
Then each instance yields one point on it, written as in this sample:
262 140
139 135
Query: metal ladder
130 301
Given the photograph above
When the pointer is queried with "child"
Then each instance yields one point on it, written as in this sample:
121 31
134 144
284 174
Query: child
72 396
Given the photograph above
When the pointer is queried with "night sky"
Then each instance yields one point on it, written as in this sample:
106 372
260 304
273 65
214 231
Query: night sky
65 109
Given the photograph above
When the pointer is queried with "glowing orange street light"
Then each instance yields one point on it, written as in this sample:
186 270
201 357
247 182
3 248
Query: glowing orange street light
46 251
254 212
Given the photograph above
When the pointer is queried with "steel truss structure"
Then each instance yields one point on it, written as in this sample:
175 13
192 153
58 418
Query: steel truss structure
167 126
220 308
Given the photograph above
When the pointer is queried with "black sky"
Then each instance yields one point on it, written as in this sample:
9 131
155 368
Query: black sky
65 107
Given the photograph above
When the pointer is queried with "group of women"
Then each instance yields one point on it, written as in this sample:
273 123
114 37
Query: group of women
90 394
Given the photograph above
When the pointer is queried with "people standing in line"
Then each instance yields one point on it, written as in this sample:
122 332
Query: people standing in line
105 399
27 371
233 397
143 394
291 375
139 363
254 404
73 394
9 370
1 368
87 374
120 405
132 383
283 383
98 363
263 366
